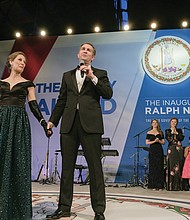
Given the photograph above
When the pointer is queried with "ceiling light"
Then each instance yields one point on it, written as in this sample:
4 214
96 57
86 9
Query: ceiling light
17 34
126 27
97 29
69 31
43 33
153 25
184 24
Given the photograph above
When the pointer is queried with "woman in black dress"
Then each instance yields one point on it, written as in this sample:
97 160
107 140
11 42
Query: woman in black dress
15 141
175 156
155 138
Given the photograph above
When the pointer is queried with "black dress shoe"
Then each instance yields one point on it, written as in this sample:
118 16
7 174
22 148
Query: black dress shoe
58 214
99 216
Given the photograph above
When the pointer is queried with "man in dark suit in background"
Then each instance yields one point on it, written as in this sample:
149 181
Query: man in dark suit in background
79 106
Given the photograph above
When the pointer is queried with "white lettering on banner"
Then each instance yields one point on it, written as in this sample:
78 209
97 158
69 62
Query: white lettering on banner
161 110
152 102
176 102
167 106
186 110
167 102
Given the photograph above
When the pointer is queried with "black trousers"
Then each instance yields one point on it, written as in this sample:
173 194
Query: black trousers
91 144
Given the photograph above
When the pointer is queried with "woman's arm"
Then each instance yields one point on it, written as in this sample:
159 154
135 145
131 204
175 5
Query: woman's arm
186 151
169 136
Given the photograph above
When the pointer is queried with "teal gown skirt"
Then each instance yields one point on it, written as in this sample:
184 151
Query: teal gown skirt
15 164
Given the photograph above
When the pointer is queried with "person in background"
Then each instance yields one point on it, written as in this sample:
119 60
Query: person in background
175 158
15 140
155 138
186 168
79 107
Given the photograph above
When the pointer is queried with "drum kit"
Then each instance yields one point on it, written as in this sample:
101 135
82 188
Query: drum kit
136 180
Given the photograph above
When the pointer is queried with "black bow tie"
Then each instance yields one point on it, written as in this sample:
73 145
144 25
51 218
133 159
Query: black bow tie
82 72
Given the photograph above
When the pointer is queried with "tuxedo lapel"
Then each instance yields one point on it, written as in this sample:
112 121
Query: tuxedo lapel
73 76
87 80
85 83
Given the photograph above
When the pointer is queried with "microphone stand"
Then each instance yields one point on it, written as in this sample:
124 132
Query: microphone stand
47 179
186 128
138 142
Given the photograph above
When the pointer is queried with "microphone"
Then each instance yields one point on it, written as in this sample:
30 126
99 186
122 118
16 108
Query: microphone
81 63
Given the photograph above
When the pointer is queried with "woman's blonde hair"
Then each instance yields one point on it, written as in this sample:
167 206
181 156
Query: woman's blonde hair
12 56
158 126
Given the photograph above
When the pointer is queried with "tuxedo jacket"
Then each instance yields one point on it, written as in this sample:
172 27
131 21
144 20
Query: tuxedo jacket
88 99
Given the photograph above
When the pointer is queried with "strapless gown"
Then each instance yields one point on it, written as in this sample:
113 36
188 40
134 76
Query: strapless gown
156 163
15 153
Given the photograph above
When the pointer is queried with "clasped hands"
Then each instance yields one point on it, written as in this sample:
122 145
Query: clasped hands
48 130
157 140
174 130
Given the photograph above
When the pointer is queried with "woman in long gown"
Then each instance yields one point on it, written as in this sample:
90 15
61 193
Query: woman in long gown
175 157
155 138
186 166
15 141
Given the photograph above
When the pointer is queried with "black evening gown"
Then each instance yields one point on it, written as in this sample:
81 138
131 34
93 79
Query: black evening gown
15 153
156 163
175 161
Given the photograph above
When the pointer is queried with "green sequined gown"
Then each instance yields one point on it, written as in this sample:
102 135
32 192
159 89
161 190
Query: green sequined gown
15 153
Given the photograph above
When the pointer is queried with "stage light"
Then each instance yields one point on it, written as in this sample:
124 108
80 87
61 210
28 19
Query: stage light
153 25
69 31
97 29
43 33
126 27
184 24
17 34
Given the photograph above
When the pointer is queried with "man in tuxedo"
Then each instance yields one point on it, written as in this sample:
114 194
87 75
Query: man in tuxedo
78 105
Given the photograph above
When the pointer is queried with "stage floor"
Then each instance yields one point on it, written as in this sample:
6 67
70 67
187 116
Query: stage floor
123 202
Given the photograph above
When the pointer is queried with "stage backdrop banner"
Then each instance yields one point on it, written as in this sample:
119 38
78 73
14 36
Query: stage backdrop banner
149 73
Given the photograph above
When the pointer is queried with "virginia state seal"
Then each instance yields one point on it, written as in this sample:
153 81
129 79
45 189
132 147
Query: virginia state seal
167 60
